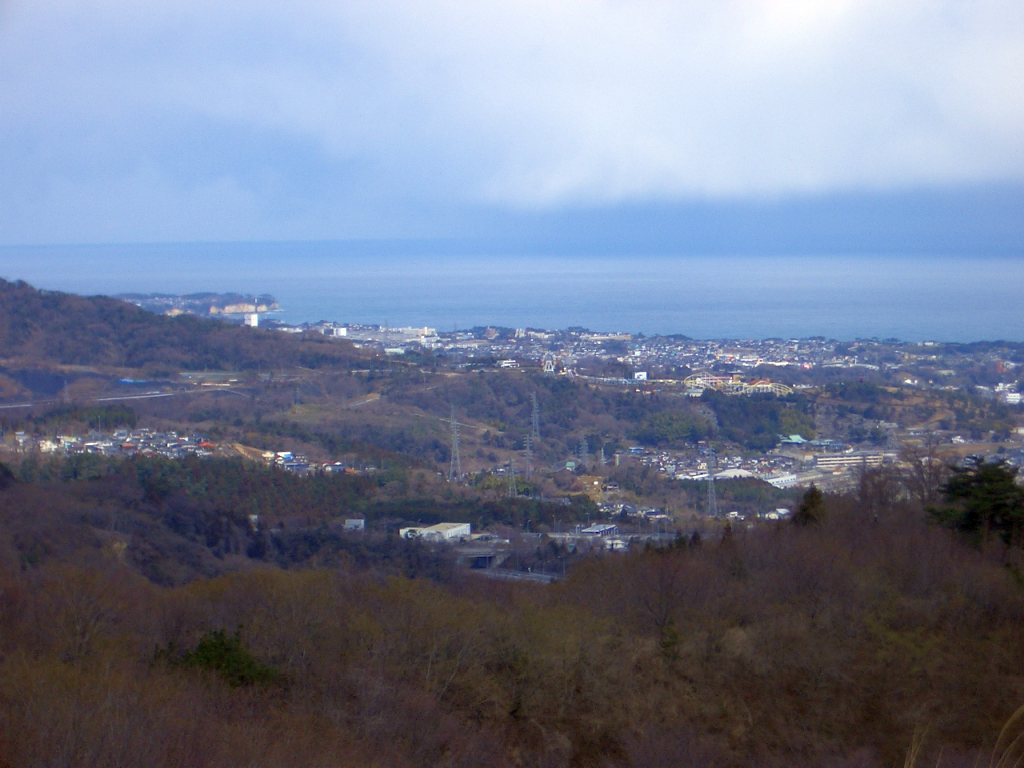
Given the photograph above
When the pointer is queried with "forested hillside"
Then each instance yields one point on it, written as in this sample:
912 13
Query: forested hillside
40 327
176 521
843 643
611 417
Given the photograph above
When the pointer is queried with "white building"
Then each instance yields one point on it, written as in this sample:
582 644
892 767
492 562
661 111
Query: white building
251 319
848 461
786 480
600 529
439 532
733 474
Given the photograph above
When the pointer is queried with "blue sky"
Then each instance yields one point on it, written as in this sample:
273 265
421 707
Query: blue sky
837 125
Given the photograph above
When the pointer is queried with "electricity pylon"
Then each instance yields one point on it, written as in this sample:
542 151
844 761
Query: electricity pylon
712 501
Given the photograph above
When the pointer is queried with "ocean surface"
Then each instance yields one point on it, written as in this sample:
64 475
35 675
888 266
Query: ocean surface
913 298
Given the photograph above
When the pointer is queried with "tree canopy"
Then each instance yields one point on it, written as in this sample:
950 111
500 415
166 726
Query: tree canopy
983 498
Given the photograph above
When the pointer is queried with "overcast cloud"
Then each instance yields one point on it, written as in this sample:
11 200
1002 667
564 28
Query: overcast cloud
127 120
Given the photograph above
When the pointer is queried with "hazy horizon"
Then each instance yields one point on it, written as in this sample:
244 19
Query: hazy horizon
845 296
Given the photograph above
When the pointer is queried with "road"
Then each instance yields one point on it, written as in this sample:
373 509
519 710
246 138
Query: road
117 398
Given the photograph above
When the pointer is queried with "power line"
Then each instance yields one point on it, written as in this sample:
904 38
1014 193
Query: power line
455 470
535 426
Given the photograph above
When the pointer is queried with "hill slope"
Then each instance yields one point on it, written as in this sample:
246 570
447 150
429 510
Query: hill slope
46 327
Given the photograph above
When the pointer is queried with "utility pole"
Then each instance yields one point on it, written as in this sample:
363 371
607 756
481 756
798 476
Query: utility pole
455 470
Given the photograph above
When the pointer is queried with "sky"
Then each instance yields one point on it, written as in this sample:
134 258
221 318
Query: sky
725 125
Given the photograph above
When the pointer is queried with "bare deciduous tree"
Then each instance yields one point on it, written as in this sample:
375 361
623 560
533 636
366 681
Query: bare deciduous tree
927 465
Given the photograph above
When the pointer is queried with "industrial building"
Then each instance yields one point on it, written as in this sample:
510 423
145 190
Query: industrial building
848 461
439 532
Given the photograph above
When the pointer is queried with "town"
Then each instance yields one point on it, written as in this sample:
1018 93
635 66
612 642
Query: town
725 432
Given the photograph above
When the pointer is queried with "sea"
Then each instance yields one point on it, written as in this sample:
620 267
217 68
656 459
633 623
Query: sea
451 286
